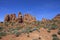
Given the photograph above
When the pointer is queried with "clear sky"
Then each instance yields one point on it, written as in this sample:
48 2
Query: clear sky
38 8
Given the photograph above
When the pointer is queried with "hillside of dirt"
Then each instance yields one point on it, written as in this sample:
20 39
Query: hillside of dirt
26 27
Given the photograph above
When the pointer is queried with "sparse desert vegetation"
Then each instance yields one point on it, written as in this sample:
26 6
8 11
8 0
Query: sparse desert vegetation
28 28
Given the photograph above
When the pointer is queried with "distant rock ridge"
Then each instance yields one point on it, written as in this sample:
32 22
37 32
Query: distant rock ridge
57 17
20 18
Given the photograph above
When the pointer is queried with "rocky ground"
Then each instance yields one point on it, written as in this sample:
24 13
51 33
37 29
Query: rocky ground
28 28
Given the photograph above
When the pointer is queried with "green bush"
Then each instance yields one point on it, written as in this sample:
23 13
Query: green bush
2 34
55 38
1 28
23 31
12 23
54 35
0 37
11 29
35 28
6 23
28 30
54 26
58 32
16 33
18 28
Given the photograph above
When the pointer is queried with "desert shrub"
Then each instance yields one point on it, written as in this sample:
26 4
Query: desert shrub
58 32
55 38
2 34
1 28
18 28
54 35
0 37
12 23
48 31
54 26
11 29
34 29
23 31
16 33
28 30
6 23
39 38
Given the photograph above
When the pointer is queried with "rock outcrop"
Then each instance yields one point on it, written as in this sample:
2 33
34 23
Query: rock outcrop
28 18
44 20
12 17
20 18
7 18
57 17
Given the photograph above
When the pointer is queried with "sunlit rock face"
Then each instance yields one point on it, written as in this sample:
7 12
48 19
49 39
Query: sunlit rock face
12 17
20 19
28 18
7 18
57 17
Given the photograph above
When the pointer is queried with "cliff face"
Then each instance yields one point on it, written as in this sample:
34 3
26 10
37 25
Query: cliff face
20 18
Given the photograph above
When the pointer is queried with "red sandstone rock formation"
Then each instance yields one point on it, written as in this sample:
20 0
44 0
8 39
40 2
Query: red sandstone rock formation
44 20
12 17
57 17
28 18
20 18
7 18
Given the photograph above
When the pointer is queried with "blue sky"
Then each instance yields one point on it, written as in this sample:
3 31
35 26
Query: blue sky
38 8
